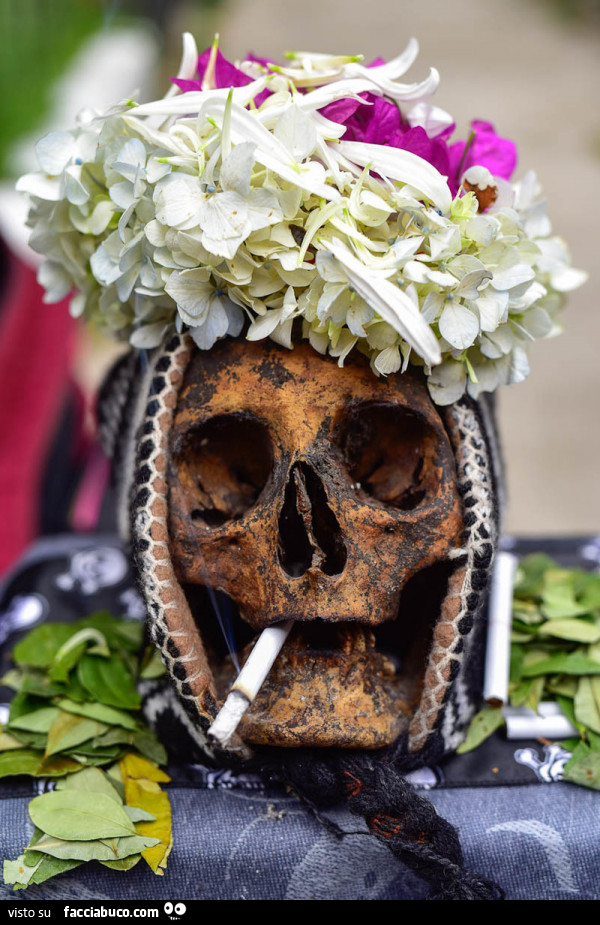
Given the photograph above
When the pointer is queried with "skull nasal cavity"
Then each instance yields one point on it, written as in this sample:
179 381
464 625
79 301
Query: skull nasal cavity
309 534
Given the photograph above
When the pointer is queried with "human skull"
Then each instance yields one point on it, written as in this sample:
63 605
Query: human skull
298 490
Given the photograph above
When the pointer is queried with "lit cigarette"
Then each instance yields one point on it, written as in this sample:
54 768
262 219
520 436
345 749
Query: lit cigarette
248 683
497 654
548 723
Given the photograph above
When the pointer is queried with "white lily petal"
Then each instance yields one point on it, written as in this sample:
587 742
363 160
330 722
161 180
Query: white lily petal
398 66
189 60
325 127
396 164
391 304
433 119
397 91
192 102
272 153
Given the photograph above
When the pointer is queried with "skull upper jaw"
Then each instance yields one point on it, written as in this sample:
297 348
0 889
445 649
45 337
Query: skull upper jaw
305 492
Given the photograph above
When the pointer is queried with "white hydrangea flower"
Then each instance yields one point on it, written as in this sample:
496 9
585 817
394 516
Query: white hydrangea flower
209 208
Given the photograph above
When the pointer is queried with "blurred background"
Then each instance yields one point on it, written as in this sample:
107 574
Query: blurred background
531 67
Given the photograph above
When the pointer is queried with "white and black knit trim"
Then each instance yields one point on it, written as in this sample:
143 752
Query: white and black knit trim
453 675
171 623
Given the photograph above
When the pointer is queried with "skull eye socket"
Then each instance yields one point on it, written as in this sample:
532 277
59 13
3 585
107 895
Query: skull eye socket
224 465
390 453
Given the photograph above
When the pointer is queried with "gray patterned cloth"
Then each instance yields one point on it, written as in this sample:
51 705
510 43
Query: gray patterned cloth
244 843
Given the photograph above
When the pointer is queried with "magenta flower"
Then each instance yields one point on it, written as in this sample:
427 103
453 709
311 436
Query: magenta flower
380 122
487 149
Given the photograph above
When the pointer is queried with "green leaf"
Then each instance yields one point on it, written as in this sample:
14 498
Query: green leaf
516 663
572 664
94 850
31 739
586 708
482 726
37 721
23 703
73 816
100 712
108 681
569 745
40 646
562 685
587 590
593 739
13 679
95 758
38 684
90 780
124 864
71 651
75 690
530 573
558 595
149 746
152 666
527 612
69 731
528 693
58 766
23 761
573 630
114 736
8 742
136 814
116 778
49 867
18 872
583 768
120 634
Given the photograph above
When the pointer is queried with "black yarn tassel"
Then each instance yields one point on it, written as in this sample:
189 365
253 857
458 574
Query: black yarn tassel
400 818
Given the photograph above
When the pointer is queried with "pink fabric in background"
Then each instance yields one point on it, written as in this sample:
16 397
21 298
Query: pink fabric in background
36 347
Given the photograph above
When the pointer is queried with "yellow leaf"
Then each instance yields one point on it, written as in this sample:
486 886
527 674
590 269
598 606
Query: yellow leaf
146 794
137 767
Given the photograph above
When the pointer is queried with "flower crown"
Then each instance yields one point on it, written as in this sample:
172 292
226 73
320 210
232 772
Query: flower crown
323 190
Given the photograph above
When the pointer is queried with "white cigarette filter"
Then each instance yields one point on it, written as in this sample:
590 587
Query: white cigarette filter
248 683
548 723
497 654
